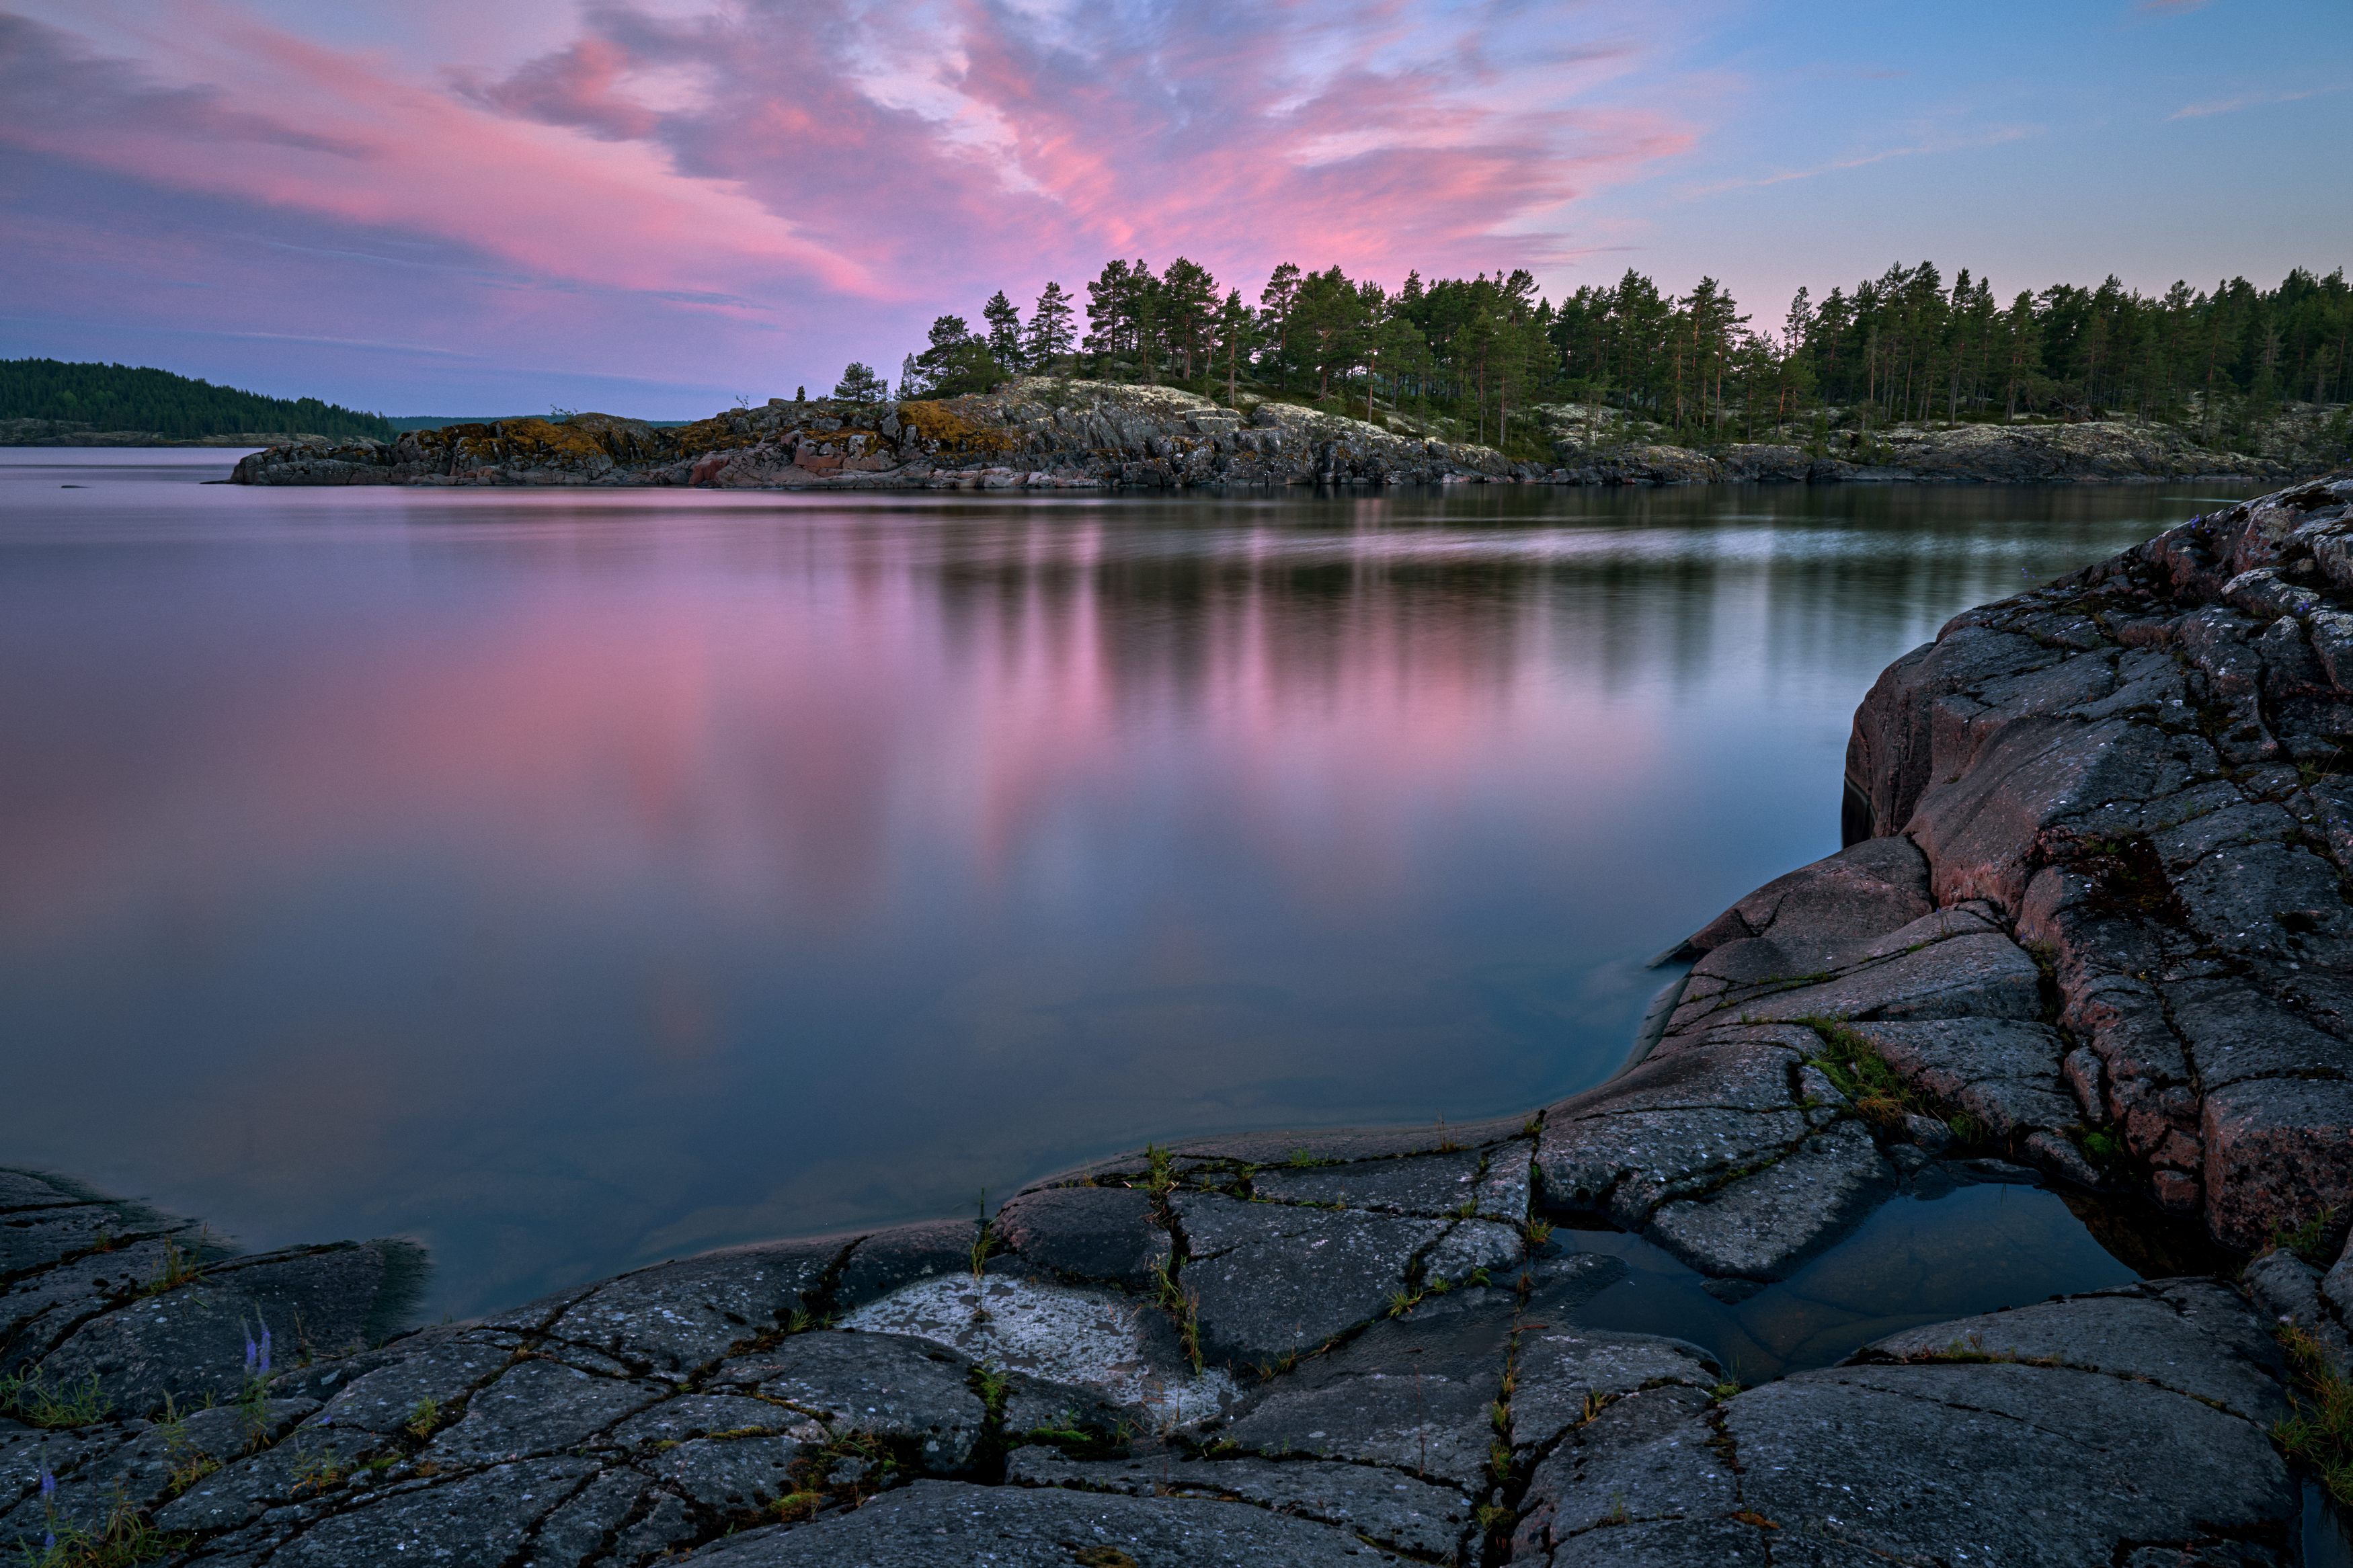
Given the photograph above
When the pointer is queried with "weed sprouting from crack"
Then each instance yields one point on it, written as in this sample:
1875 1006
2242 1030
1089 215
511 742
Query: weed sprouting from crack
425 1418
2319 1435
2309 1241
29 1397
1878 1092
127 1538
178 1267
1181 1304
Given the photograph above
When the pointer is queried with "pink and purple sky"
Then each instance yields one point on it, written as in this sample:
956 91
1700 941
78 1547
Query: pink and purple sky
444 207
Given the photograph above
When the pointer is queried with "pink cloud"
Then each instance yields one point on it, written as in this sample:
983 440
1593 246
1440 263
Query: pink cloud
295 125
574 87
783 153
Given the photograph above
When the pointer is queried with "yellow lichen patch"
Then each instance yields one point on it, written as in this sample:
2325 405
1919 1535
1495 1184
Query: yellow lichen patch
938 423
535 439
625 438
540 438
711 434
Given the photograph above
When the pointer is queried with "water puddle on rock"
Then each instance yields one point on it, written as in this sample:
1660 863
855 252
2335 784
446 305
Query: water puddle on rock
1939 1251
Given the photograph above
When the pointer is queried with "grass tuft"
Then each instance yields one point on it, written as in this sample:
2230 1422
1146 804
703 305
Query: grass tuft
1878 1092
128 1537
424 1417
29 1398
2309 1241
2319 1435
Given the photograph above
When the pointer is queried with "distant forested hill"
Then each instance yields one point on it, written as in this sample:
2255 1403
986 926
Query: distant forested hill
121 397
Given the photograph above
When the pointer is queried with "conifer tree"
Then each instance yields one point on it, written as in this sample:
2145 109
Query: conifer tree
1004 320
858 384
1188 303
1051 332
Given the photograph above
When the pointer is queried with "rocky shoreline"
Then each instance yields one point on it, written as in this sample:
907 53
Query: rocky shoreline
2090 929
1038 433
67 432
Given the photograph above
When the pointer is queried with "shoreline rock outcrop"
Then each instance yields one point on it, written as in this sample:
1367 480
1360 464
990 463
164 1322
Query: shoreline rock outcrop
2091 930
70 433
1038 433
2141 772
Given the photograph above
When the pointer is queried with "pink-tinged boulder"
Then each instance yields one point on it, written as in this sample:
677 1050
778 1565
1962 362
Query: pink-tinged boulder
2278 1152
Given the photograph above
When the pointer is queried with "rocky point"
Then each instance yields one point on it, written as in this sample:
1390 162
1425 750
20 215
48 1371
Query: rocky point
1042 432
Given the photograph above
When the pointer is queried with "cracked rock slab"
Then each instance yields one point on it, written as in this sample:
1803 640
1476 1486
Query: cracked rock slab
1473 1246
1564 1366
1678 1124
620 1505
2049 1468
1393 1509
1625 1166
2275 1149
1708 1543
1983 975
188 1343
388 1399
1409 1392
1644 1457
675 1317
2004 1072
1428 1185
882 1384
1115 1347
732 1473
1860 891
481 1519
1764 1227
2192 1336
537 1408
1087 1232
932 1523
1739 970
887 1260
1271 1279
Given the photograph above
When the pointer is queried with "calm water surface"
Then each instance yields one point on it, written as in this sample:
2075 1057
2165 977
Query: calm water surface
572 880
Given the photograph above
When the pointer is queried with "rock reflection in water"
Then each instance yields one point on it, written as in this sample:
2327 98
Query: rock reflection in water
1977 1248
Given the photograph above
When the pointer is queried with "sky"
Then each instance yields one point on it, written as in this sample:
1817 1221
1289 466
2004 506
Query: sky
659 208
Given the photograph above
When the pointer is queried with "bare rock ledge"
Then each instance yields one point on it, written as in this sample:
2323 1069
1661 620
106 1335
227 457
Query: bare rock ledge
1045 433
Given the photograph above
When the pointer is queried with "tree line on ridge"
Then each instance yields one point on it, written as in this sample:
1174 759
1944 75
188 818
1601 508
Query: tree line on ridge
1907 345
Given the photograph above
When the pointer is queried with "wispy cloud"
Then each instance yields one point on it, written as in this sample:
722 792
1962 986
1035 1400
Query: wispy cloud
2251 101
1993 137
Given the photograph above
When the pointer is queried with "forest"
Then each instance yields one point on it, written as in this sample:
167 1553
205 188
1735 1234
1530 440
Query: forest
1907 345
122 397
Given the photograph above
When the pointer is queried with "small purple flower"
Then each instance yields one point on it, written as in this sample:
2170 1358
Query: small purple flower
48 1543
265 1350
48 1485
251 1351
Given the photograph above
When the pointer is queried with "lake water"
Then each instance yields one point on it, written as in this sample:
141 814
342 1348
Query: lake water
571 880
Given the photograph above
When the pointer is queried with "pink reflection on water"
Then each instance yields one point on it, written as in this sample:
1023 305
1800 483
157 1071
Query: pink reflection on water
807 742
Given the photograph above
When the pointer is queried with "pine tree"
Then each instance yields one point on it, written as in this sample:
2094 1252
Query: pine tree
858 384
1274 306
1108 312
1004 330
1236 334
1188 304
958 361
1051 332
